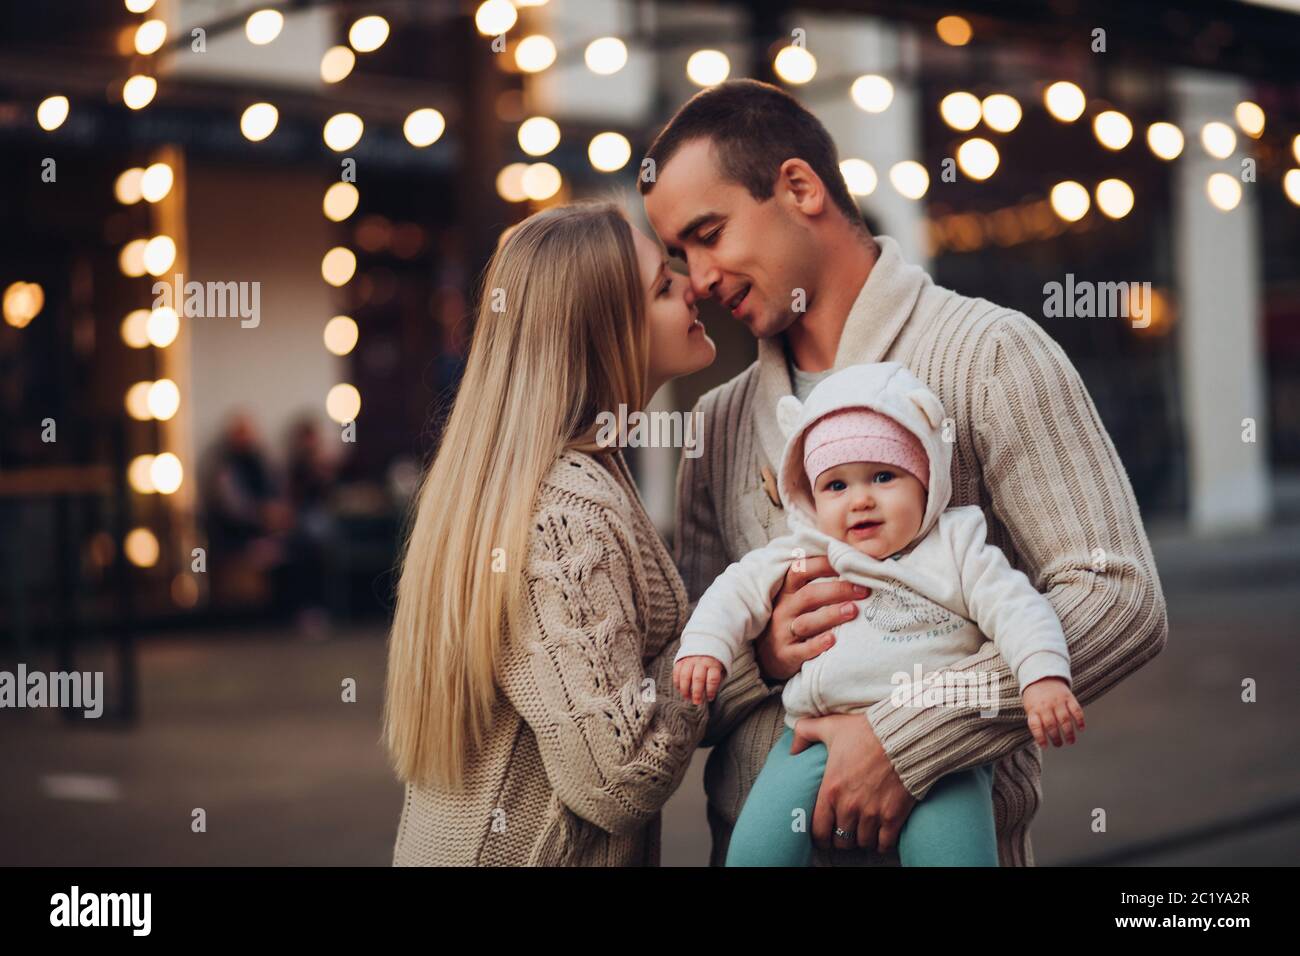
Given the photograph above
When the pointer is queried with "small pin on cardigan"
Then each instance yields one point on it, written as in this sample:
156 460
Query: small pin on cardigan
769 485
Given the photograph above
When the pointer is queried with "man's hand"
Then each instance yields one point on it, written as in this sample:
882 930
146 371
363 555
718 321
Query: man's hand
813 609
860 791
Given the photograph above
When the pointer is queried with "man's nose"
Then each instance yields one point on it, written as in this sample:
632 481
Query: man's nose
704 278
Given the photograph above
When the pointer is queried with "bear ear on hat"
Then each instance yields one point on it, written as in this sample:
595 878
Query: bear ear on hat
929 404
788 412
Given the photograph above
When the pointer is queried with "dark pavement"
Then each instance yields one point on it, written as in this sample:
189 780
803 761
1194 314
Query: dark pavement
250 727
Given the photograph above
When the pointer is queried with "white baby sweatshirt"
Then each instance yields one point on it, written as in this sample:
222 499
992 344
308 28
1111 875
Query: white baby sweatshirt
931 603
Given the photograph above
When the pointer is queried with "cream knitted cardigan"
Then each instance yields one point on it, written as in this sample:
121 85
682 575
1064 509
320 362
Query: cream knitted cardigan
1029 450
589 738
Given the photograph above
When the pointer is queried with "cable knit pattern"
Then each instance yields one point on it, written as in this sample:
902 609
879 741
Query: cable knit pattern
1029 449
589 738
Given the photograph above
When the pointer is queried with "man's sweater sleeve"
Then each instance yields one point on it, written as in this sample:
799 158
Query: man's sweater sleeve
614 736
700 556
1002 602
1056 484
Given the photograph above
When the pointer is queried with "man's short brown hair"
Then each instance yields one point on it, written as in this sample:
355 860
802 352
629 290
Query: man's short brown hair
754 128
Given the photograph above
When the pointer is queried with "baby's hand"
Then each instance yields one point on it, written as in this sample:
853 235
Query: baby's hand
696 676
1052 711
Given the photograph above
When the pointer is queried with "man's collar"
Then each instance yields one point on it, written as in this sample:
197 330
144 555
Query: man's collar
877 316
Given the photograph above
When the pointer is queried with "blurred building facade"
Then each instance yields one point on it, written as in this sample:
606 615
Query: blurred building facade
366 250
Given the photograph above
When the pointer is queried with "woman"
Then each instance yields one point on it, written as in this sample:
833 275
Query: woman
530 707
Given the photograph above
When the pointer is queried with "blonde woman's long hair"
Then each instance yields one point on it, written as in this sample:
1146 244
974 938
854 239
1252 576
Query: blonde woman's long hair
560 336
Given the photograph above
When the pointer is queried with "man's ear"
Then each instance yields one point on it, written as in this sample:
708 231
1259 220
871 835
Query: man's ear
805 186
788 412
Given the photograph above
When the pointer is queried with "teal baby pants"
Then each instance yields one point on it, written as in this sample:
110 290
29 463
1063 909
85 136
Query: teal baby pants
952 826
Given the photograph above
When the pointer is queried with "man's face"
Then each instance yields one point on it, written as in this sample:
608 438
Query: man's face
749 256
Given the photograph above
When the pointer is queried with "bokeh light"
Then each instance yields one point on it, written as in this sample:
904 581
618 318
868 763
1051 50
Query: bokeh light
960 110
1114 198
708 67
1165 140
1070 200
605 56
343 403
423 127
859 175
872 93
340 201
1065 101
909 178
609 151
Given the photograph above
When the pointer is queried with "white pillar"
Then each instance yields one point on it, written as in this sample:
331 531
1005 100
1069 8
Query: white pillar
1218 279
846 47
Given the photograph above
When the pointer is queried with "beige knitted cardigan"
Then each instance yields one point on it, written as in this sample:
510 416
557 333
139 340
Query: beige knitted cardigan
1030 450
589 738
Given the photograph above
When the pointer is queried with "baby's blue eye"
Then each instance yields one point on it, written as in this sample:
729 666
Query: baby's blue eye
884 476
836 485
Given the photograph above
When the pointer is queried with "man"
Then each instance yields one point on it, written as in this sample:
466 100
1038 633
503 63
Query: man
746 189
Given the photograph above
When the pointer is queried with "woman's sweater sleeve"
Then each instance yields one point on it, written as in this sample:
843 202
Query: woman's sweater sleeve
613 735
1057 485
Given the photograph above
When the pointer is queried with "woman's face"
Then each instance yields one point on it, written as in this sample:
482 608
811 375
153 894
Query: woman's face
678 343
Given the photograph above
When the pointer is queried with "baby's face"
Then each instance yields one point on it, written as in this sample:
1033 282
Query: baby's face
875 507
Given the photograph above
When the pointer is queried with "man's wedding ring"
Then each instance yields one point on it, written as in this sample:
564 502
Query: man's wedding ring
842 833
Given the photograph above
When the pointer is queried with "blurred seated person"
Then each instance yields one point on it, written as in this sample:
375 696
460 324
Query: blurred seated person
312 473
246 516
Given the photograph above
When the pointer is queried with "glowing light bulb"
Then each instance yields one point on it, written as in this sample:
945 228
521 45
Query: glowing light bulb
1113 129
859 176
978 158
960 110
794 64
263 26
368 34
51 113
1065 101
609 151
342 131
909 178
605 56
538 135
1165 140
535 53
1001 112
707 67
1114 198
1223 191
423 127
1070 200
872 93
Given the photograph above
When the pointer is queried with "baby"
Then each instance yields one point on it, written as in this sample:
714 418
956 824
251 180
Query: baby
865 480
